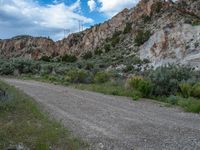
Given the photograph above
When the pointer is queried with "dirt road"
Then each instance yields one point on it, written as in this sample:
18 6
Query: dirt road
116 123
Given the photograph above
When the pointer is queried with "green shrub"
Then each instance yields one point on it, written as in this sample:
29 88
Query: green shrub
6 68
128 28
60 70
196 90
157 7
35 67
107 47
45 58
56 59
68 58
98 52
134 81
196 22
142 37
101 77
25 66
115 38
89 66
146 18
52 78
78 76
128 68
136 95
145 88
87 55
116 34
173 100
190 105
46 69
146 61
115 41
140 84
185 89
166 79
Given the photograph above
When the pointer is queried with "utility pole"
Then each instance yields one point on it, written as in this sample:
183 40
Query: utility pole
80 25
66 32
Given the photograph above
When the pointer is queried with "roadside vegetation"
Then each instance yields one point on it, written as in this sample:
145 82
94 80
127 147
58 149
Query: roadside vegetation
172 84
24 126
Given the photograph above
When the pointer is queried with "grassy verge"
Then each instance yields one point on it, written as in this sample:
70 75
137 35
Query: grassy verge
22 124
108 89
188 104
58 80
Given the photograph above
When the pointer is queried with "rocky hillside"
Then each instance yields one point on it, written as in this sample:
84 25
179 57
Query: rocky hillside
27 47
158 30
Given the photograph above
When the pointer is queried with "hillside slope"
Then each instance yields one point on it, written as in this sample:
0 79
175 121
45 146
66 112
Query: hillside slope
157 30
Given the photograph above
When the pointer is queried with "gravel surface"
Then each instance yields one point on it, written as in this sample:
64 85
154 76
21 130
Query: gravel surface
116 123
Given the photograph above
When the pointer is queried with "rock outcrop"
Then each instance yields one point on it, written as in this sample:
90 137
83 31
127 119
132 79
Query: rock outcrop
177 39
180 44
27 47
91 39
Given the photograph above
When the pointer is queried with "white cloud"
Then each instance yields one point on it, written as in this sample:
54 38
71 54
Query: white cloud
91 5
28 17
111 7
75 6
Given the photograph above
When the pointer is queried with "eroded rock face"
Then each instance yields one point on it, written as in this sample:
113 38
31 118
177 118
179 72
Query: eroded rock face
180 44
27 47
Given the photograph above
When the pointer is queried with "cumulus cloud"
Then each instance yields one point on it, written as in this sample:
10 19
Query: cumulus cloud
91 5
28 17
111 7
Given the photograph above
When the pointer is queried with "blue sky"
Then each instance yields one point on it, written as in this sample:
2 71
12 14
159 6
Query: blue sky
51 17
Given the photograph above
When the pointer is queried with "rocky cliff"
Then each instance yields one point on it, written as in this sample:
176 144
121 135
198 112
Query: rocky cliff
27 47
158 30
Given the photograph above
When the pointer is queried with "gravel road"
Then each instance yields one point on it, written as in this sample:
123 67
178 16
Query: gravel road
116 123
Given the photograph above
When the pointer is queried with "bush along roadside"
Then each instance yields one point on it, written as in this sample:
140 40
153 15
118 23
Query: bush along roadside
165 81
184 95
24 126
141 85
175 85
